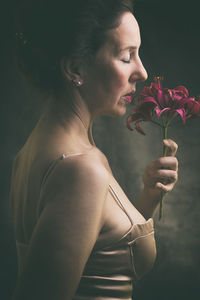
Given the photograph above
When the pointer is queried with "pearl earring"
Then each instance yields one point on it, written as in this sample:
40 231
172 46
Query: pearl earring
77 82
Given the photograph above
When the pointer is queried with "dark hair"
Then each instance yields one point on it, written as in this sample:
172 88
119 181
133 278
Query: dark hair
47 30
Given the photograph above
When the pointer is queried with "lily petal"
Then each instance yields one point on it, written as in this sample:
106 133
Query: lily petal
149 99
182 113
146 110
128 122
134 117
159 112
160 97
139 128
137 116
193 107
182 90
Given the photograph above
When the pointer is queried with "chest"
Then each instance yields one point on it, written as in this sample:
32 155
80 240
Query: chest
119 215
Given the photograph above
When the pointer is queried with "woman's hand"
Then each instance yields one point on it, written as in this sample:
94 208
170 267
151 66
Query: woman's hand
160 175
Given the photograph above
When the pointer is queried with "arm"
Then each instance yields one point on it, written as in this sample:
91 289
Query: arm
66 231
160 175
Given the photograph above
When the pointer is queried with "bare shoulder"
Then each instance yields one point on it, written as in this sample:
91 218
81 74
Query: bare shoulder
71 217
89 165
78 179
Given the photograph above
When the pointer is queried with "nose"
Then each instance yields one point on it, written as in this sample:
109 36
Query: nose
139 73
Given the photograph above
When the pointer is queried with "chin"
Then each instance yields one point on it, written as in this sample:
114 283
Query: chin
118 111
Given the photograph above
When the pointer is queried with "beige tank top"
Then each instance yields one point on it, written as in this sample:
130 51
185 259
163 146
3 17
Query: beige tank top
112 271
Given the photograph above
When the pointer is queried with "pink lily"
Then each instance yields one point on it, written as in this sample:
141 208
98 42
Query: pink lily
156 101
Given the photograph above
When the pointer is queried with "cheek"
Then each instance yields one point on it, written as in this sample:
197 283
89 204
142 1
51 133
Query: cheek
112 77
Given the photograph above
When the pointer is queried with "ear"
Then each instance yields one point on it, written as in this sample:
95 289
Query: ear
72 69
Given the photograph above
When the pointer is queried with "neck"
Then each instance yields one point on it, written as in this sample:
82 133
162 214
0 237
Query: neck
71 114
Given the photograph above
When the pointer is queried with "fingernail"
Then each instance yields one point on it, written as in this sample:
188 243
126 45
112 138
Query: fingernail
165 142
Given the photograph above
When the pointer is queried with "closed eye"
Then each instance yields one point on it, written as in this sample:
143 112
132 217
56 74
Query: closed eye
126 61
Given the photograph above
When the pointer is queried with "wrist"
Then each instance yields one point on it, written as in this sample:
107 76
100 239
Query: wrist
152 194
148 202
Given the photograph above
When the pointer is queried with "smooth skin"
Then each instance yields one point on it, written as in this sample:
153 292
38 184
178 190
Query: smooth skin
62 237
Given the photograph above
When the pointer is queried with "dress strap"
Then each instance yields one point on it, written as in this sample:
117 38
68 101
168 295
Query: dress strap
53 165
49 170
120 204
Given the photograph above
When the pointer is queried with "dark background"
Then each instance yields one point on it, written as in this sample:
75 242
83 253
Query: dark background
170 47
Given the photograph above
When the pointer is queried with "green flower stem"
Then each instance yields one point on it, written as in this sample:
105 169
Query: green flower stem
154 122
164 154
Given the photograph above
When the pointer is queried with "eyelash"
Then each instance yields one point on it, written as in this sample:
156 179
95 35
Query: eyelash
126 61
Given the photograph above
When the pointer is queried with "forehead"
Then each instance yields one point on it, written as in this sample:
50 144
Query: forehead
126 34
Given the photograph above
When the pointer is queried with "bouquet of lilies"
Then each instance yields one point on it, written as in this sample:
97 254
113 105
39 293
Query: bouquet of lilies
160 106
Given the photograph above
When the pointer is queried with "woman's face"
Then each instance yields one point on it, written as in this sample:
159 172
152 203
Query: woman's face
115 70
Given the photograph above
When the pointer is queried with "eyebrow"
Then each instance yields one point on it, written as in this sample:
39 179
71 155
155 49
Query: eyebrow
129 47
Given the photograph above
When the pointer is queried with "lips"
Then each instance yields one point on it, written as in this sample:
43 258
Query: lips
129 96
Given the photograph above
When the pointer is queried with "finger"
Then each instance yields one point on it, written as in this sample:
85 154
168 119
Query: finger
167 162
171 146
166 176
165 187
168 180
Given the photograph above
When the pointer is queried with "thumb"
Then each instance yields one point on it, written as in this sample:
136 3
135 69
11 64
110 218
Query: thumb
171 146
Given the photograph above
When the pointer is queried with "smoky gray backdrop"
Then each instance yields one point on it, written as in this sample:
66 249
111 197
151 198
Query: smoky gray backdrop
170 47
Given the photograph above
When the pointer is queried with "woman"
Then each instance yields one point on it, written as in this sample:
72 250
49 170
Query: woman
78 236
